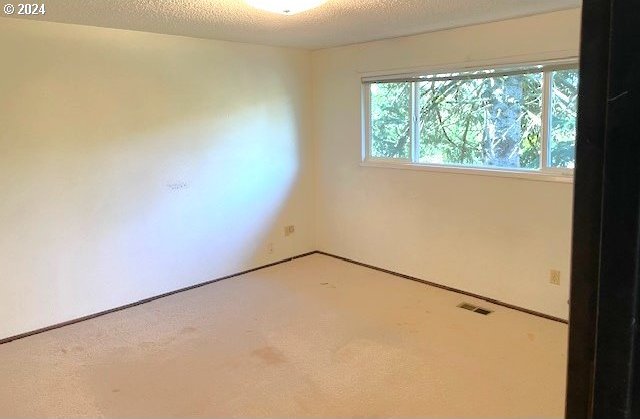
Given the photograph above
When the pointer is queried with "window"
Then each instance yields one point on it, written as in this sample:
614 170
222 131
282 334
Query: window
521 119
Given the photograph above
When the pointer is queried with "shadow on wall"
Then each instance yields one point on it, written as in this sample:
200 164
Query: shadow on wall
134 164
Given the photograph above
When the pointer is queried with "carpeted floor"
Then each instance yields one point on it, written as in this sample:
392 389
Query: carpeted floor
313 337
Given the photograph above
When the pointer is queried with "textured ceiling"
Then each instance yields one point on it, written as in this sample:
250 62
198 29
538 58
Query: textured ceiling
337 22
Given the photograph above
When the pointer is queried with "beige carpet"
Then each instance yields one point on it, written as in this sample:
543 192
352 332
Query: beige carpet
313 337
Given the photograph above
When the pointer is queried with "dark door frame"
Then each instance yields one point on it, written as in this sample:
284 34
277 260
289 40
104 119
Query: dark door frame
604 335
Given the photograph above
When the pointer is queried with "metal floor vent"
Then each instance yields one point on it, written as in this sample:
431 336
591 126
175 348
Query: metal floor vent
475 309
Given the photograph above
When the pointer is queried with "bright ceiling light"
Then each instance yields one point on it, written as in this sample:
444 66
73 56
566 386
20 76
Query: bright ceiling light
285 7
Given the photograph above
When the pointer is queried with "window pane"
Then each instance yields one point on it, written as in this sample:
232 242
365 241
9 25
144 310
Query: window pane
564 108
486 122
391 120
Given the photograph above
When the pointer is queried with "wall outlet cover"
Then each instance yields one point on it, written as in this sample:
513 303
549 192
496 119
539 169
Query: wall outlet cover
554 277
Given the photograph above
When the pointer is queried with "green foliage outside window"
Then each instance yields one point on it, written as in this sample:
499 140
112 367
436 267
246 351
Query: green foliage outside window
564 107
391 120
482 122
487 121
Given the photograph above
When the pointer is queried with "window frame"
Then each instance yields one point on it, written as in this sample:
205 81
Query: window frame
545 172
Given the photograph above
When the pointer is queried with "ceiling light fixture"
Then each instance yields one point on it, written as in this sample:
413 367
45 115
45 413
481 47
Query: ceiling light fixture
285 7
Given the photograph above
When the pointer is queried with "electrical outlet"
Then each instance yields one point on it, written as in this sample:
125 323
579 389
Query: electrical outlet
554 277
270 248
289 230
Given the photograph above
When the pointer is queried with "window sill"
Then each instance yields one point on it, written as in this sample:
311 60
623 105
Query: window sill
476 171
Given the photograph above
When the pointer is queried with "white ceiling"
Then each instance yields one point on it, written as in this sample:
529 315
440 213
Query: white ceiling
337 22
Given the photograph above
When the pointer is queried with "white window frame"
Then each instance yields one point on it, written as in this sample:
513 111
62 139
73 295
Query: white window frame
545 172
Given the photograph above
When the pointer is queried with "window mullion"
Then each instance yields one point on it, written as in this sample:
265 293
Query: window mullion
415 123
366 117
546 122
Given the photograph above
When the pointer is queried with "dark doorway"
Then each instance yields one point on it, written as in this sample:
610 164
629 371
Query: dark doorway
603 380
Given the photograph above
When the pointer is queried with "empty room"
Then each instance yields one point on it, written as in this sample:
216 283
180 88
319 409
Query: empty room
271 208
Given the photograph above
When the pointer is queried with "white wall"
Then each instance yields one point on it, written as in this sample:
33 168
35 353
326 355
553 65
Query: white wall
497 237
132 164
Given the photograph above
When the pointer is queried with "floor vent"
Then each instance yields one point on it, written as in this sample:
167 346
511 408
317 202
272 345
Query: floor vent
475 309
